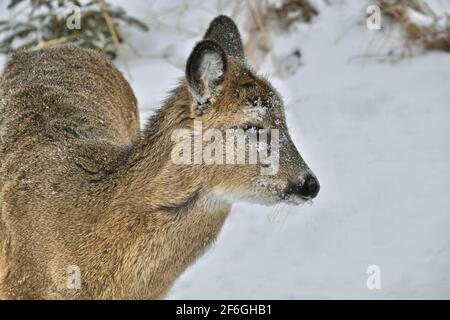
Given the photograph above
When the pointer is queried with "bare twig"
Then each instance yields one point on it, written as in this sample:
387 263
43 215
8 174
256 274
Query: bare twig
56 41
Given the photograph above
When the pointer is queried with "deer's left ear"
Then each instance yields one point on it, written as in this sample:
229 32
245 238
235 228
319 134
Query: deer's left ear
205 70
224 31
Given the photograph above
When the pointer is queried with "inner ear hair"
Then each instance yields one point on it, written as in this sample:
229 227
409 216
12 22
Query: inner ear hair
205 70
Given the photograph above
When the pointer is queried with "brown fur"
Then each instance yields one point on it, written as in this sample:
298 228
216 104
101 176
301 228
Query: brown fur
81 186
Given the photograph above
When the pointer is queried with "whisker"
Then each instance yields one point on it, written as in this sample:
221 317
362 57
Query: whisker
274 212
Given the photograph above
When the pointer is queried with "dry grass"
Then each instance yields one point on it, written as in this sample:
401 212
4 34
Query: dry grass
265 18
291 11
262 18
431 37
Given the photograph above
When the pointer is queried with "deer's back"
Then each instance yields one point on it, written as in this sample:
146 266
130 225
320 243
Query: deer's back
61 109
67 120
68 90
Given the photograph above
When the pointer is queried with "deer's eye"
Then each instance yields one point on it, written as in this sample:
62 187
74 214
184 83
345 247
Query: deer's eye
252 128
248 85
263 137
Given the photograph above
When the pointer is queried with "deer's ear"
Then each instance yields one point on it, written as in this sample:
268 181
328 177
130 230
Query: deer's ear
205 70
224 31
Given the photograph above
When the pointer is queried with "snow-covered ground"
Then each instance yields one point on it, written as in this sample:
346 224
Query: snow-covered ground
376 133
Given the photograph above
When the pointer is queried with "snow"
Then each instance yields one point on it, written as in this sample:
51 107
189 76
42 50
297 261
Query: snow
377 136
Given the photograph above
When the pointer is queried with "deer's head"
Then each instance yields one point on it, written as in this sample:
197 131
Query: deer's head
228 100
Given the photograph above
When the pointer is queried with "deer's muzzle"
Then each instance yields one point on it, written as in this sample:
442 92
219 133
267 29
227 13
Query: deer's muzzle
307 188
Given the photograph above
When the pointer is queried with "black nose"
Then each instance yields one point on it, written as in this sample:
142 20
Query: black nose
307 189
311 187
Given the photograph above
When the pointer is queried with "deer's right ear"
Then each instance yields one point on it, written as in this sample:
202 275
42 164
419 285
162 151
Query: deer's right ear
205 70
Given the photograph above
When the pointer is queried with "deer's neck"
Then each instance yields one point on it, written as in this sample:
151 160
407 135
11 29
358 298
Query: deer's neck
164 215
150 176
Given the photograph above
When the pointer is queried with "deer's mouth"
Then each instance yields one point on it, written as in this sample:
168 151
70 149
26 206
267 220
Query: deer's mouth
293 199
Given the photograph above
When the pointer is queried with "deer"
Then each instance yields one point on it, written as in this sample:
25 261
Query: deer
82 187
